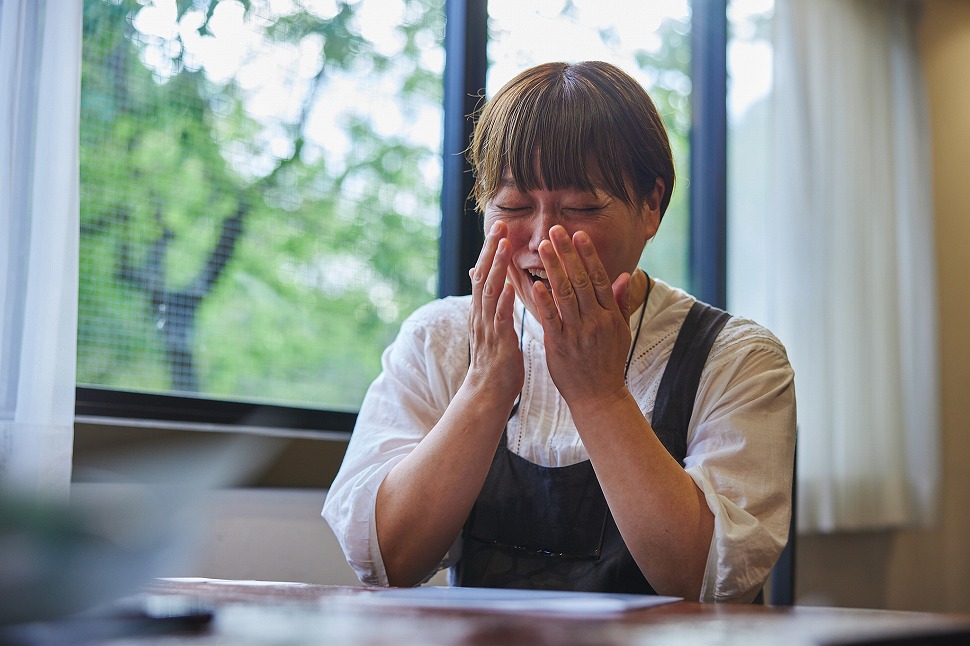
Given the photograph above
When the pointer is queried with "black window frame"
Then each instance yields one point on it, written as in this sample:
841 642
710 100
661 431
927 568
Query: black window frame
466 41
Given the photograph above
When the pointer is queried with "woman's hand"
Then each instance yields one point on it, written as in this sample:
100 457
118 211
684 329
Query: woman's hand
496 359
585 320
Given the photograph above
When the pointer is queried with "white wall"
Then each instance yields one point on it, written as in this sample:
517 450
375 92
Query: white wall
269 535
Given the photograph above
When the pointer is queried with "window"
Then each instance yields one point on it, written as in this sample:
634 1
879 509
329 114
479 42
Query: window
750 61
261 187
260 194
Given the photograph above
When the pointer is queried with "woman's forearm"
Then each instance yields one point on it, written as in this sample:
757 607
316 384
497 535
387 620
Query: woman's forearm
423 502
660 512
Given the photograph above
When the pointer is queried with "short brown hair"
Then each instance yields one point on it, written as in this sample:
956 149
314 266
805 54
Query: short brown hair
582 122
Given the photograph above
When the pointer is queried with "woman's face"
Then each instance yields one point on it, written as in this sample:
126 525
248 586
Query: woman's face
618 231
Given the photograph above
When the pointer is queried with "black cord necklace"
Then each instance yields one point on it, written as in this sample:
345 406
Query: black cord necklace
636 337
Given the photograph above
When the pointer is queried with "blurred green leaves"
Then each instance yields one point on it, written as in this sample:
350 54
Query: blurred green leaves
340 230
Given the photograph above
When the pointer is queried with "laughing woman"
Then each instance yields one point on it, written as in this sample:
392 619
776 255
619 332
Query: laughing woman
574 424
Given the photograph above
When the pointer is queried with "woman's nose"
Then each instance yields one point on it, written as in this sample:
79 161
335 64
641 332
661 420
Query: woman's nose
545 220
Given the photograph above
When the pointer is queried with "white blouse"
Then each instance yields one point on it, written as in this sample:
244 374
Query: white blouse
740 441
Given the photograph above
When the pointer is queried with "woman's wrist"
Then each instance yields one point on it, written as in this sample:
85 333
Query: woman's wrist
486 395
608 405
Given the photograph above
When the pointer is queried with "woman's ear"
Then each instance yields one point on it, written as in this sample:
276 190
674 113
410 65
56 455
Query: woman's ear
651 207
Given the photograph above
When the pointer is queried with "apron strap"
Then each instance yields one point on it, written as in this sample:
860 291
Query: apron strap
678 387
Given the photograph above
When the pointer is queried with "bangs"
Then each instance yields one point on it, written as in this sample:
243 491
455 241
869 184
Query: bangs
554 137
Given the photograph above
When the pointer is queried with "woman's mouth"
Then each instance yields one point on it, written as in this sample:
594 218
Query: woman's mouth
538 275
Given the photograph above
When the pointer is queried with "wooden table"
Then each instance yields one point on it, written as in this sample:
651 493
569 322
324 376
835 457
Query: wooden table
255 613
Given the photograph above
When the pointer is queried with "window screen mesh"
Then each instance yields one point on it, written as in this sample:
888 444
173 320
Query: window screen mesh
259 193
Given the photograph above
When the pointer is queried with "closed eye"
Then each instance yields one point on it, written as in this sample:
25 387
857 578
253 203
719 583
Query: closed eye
583 211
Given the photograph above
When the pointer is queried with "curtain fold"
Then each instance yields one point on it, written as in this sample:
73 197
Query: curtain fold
40 76
849 240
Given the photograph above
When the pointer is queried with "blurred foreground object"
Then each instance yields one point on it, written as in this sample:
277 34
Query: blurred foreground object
133 517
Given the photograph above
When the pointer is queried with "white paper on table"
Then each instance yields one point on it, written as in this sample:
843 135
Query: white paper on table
516 601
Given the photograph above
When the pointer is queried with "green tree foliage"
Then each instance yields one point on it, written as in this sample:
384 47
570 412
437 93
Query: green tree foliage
670 67
229 252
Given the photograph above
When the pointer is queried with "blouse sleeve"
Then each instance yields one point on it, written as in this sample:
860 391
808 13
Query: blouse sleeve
421 371
740 454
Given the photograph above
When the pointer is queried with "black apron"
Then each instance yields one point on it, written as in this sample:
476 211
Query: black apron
550 527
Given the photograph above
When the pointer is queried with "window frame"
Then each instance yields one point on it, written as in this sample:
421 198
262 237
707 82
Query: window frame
466 40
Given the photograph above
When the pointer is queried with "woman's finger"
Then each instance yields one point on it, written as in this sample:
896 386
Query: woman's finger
547 310
621 294
494 283
575 270
504 312
480 272
599 280
559 283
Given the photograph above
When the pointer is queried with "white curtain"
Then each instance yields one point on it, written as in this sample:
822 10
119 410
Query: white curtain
847 260
40 58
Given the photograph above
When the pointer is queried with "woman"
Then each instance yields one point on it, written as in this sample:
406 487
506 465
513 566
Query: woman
574 423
